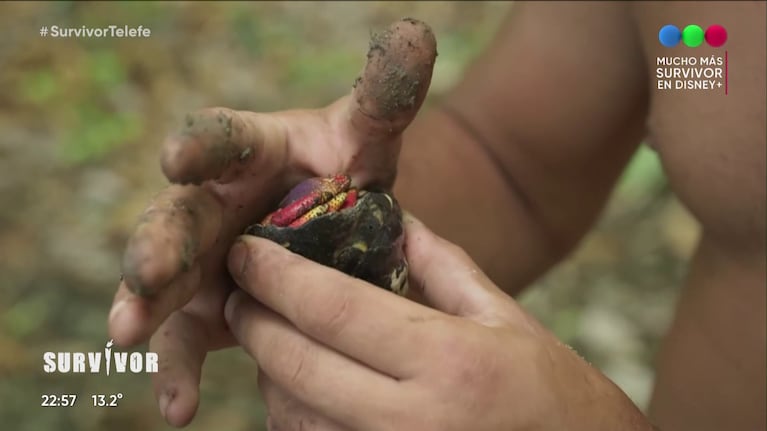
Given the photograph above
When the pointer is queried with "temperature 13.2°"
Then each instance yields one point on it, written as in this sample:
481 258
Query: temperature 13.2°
106 400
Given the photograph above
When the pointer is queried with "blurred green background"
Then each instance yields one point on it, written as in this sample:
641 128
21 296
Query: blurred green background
82 120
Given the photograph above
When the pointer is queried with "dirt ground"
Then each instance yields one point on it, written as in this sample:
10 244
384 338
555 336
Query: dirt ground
82 120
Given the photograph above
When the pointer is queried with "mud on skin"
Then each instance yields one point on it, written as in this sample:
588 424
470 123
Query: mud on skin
170 223
205 146
401 82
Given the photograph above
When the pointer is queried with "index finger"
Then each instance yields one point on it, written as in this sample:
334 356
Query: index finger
220 144
345 313
160 265
180 223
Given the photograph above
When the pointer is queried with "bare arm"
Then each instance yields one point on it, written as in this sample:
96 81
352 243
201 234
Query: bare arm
518 160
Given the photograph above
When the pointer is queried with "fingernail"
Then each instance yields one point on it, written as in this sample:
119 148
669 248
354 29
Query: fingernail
238 257
231 304
164 401
116 309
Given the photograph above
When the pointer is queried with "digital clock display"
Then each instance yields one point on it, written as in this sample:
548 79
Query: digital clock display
58 400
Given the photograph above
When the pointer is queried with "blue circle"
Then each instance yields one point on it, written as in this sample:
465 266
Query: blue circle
669 36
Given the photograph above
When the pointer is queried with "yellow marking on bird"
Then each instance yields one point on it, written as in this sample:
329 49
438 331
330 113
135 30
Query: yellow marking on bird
361 246
335 203
313 213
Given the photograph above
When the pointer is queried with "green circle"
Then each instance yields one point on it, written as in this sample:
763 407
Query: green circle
692 35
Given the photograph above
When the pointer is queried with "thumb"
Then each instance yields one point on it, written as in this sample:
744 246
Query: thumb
387 96
447 277
396 78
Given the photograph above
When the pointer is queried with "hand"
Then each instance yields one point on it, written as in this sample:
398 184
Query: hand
335 353
228 169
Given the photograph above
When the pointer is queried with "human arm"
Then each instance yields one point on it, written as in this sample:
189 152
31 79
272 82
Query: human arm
516 162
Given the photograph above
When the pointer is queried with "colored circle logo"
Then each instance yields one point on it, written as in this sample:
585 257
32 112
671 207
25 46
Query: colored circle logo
716 35
669 36
692 36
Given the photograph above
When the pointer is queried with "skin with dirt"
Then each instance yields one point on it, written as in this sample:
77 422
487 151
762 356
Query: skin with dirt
400 85
171 216
215 136
220 144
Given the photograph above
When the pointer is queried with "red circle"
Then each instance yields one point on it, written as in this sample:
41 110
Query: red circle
716 35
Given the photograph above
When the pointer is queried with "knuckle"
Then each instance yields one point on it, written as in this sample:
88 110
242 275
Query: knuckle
298 368
293 363
326 314
465 364
209 140
273 269
180 206
262 264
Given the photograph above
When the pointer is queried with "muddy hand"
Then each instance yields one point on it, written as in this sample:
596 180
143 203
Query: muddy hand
227 168
334 355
